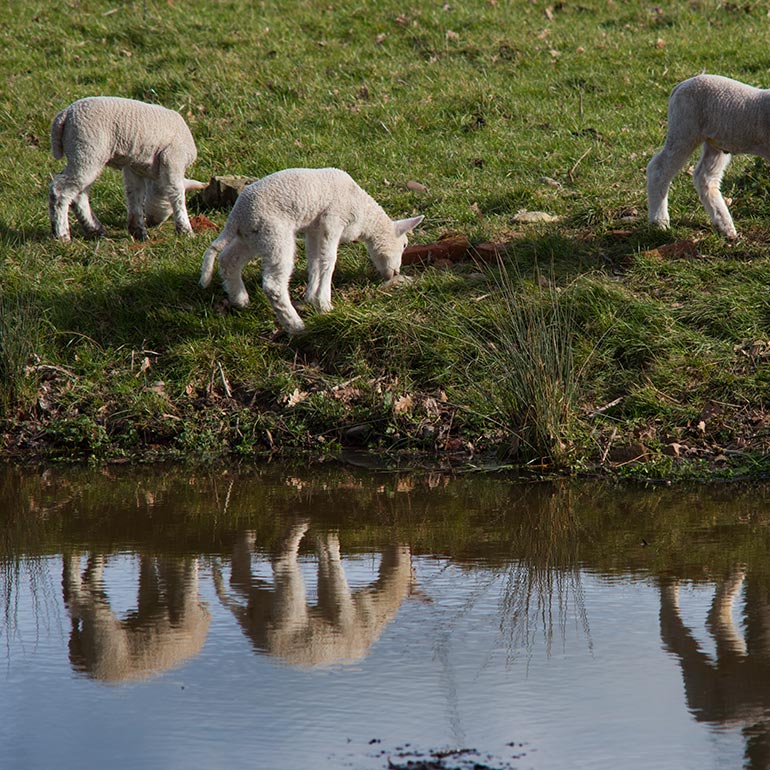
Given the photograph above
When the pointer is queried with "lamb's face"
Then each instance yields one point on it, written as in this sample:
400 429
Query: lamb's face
387 257
157 207
157 204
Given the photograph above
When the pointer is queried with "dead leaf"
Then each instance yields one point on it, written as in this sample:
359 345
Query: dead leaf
684 249
297 397
415 186
402 404
144 366
199 223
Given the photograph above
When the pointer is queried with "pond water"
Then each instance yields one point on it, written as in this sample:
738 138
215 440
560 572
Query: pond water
335 618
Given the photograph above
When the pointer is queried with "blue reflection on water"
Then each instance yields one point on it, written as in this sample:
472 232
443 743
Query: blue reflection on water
595 694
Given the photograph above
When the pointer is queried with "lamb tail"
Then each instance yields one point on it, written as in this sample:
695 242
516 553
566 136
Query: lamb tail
57 131
210 257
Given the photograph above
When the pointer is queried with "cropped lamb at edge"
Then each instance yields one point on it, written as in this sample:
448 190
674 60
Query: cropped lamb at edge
153 147
725 116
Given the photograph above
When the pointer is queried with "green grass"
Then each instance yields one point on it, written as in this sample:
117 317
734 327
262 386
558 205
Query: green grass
109 349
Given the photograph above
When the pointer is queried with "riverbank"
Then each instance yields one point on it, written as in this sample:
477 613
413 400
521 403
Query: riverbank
583 342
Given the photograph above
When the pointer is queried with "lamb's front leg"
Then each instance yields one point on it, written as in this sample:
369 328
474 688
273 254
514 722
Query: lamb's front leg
707 179
135 187
321 247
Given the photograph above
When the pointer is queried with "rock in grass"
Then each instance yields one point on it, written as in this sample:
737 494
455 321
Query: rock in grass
529 217
222 191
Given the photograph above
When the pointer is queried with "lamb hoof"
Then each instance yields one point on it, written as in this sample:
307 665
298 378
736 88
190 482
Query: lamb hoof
238 303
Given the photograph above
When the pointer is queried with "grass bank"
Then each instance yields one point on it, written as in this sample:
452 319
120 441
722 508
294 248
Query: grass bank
593 344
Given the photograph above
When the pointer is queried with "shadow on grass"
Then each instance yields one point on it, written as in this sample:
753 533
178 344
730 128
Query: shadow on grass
13 236
164 306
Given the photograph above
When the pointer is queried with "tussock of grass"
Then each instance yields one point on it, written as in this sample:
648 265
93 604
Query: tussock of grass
527 352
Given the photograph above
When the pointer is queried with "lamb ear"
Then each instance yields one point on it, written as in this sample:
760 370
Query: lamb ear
194 184
402 226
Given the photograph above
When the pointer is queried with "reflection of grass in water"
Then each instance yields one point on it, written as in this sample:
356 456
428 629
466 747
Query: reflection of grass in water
16 574
537 598
22 532
544 586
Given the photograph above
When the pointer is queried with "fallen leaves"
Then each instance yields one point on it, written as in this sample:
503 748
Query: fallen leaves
684 249
201 223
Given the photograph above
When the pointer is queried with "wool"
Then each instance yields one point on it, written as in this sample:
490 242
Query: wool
326 206
152 146
727 118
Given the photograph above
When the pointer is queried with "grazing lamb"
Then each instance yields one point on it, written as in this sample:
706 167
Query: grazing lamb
726 117
325 205
151 144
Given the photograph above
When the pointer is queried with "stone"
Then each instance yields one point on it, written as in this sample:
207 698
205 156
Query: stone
222 191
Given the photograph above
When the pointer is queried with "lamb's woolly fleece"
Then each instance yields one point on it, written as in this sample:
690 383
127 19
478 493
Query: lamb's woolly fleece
725 117
151 144
328 207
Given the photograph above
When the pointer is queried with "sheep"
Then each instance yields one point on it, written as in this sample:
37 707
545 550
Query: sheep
151 144
726 117
329 208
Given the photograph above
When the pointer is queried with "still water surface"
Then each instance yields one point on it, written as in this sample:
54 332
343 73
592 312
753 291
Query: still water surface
334 618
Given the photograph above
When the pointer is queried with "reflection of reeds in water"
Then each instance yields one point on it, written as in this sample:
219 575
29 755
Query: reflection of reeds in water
30 575
544 587
21 533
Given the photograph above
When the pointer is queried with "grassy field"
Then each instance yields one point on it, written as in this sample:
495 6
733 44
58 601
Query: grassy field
596 342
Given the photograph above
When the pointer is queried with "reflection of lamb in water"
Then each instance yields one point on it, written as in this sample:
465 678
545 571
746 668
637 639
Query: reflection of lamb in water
734 688
169 625
341 627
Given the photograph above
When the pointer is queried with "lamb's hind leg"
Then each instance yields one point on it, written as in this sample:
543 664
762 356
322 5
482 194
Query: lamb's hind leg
707 179
72 186
277 265
235 254
663 167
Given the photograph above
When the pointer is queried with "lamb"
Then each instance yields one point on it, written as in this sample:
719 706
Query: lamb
329 208
726 117
151 144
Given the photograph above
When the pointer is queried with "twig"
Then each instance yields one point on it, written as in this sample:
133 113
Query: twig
577 163
609 445
604 408
52 368
228 392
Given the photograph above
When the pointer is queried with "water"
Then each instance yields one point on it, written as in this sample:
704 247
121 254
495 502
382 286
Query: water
333 618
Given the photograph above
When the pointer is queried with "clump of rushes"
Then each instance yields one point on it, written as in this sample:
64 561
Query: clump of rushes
526 349
20 335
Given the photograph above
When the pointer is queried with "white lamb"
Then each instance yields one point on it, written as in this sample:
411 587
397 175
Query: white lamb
325 205
151 144
726 117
